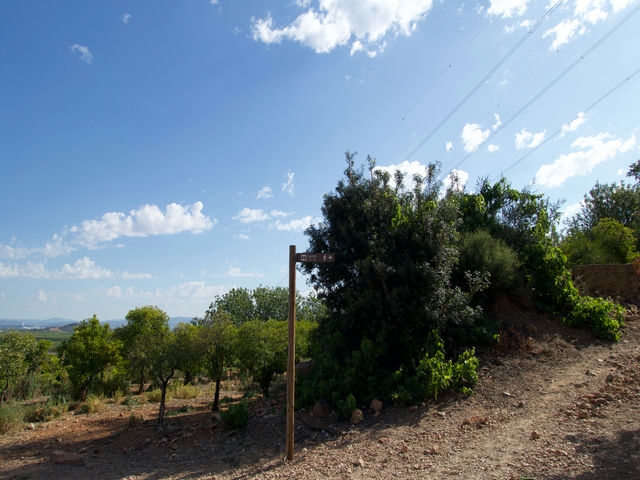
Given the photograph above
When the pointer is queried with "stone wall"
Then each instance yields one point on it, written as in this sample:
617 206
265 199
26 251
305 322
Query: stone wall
621 282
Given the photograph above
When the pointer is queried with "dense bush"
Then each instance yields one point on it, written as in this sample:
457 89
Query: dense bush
236 415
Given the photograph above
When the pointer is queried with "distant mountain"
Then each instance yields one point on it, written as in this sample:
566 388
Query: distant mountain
67 324
30 324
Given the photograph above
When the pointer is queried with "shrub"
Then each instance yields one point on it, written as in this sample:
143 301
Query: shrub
604 318
237 415
135 420
155 395
92 404
11 418
481 252
434 374
185 392
45 413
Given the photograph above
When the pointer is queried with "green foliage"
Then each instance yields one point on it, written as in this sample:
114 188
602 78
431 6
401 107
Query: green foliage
434 374
608 242
45 413
480 252
87 354
92 404
305 332
615 201
261 349
21 356
236 415
11 419
395 250
264 303
218 337
604 318
137 337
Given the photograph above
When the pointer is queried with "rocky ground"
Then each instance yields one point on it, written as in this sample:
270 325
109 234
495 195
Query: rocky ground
552 403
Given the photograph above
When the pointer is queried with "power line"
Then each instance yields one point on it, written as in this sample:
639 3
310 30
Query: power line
585 111
428 89
485 78
555 80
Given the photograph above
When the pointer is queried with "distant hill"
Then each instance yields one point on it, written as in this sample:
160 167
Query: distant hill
66 324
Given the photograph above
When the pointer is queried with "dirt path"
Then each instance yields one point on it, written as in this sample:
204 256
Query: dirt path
564 407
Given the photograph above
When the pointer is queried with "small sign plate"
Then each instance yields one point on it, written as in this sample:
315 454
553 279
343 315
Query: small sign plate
315 257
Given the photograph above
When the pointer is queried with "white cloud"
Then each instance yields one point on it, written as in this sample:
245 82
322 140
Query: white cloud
563 32
448 146
473 136
295 225
334 23
145 221
83 269
265 192
526 139
492 148
249 215
456 180
498 123
574 124
288 185
237 272
592 151
507 8
126 18
84 52
585 13
409 169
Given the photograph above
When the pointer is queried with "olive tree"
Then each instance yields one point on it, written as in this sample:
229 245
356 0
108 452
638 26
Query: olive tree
86 355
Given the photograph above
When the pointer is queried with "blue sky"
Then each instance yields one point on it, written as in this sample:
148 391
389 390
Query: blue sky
163 152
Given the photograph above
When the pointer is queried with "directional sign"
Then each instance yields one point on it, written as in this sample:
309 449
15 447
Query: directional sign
315 257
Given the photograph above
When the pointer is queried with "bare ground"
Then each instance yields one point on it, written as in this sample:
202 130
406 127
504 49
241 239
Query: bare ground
554 404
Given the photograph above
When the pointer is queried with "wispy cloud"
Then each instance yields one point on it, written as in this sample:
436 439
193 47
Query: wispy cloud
126 18
365 24
288 185
591 152
296 225
526 139
265 192
83 51
574 124
250 215
82 269
507 8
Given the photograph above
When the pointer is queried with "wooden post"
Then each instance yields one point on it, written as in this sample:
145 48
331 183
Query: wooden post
291 358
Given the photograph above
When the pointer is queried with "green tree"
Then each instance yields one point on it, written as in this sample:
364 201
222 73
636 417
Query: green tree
608 242
20 356
87 354
261 349
140 323
154 349
395 249
271 303
616 201
238 303
188 337
217 335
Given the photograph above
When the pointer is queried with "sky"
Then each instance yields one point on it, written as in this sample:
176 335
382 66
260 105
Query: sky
163 152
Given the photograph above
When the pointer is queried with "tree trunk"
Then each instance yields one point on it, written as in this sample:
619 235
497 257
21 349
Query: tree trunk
216 397
163 396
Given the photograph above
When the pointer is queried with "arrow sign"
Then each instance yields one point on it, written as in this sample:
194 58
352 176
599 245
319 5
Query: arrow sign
315 257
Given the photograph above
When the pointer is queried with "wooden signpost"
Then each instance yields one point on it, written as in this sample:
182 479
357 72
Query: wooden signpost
291 358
